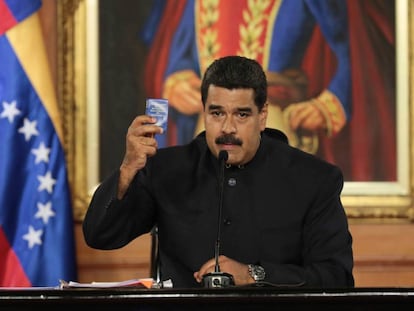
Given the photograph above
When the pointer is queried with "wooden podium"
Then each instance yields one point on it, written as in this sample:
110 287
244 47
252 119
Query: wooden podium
235 298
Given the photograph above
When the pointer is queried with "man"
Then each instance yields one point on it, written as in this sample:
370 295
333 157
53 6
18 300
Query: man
282 219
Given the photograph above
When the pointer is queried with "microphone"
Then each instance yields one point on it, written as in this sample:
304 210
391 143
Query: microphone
223 156
218 279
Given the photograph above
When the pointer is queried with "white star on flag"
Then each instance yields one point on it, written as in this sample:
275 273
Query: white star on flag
44 211
29 129
46 182
10 111
41 153
33 237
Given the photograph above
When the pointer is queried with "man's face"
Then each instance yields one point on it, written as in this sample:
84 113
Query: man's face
233 123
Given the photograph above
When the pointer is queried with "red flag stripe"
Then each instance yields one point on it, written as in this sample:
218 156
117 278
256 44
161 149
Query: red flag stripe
12 273
7 19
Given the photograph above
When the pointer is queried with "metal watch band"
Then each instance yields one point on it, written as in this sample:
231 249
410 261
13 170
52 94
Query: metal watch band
256 272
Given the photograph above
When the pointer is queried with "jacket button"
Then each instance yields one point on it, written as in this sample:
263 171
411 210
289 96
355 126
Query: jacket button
232 182
227 221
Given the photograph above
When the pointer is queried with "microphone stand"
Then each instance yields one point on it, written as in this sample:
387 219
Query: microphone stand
218 279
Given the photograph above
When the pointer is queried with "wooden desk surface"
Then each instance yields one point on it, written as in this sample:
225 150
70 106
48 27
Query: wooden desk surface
235 298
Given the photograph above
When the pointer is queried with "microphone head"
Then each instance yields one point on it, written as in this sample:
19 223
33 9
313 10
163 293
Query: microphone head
223 155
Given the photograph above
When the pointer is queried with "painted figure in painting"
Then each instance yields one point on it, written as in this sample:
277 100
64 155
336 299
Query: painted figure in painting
320 81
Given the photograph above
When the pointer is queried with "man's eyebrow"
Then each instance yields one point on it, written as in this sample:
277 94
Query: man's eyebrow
241 109
246 109
214 107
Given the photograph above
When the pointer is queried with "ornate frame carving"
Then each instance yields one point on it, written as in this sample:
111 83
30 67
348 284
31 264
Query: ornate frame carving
76 111
72 96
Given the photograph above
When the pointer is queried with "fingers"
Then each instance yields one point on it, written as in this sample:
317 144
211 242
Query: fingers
140 143
140 147
208 267
137 127
306 116
239 271
185 97
190 103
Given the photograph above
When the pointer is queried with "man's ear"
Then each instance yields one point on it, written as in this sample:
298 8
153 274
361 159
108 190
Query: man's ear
263 116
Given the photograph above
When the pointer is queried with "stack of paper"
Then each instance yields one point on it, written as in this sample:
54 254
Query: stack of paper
144 283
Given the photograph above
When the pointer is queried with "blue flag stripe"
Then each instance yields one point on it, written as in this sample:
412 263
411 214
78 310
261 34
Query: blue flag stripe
23 8
35 207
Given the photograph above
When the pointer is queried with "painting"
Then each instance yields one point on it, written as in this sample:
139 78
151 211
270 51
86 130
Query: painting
355 74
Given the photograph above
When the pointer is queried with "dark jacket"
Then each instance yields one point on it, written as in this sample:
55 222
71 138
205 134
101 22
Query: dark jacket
282 210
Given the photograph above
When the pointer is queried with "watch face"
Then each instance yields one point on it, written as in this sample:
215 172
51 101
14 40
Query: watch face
257 272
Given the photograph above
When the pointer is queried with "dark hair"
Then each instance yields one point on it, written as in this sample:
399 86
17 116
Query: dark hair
235 72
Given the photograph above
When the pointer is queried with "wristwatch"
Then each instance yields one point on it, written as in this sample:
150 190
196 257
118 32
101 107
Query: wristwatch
257 272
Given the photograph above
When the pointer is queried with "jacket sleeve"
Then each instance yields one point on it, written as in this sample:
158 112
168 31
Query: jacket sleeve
111 223
327 257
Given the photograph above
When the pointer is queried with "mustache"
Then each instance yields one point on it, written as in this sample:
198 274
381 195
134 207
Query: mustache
228 139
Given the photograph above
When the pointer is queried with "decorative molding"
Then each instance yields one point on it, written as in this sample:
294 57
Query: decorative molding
72 96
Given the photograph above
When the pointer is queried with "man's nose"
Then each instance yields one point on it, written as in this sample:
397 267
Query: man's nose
229 125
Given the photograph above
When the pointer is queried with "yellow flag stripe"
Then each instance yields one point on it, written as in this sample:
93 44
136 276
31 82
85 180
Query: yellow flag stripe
27 41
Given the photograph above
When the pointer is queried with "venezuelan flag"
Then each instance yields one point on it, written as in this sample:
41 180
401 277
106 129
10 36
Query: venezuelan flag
36 221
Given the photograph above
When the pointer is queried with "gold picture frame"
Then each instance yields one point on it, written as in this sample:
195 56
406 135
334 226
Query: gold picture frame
78 91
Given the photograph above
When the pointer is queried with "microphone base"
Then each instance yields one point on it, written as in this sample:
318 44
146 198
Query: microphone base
217 280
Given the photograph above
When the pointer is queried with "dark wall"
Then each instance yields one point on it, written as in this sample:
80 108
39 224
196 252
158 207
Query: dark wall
122 57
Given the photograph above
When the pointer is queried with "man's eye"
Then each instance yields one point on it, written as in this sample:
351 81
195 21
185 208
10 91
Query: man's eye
243 115
216 113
